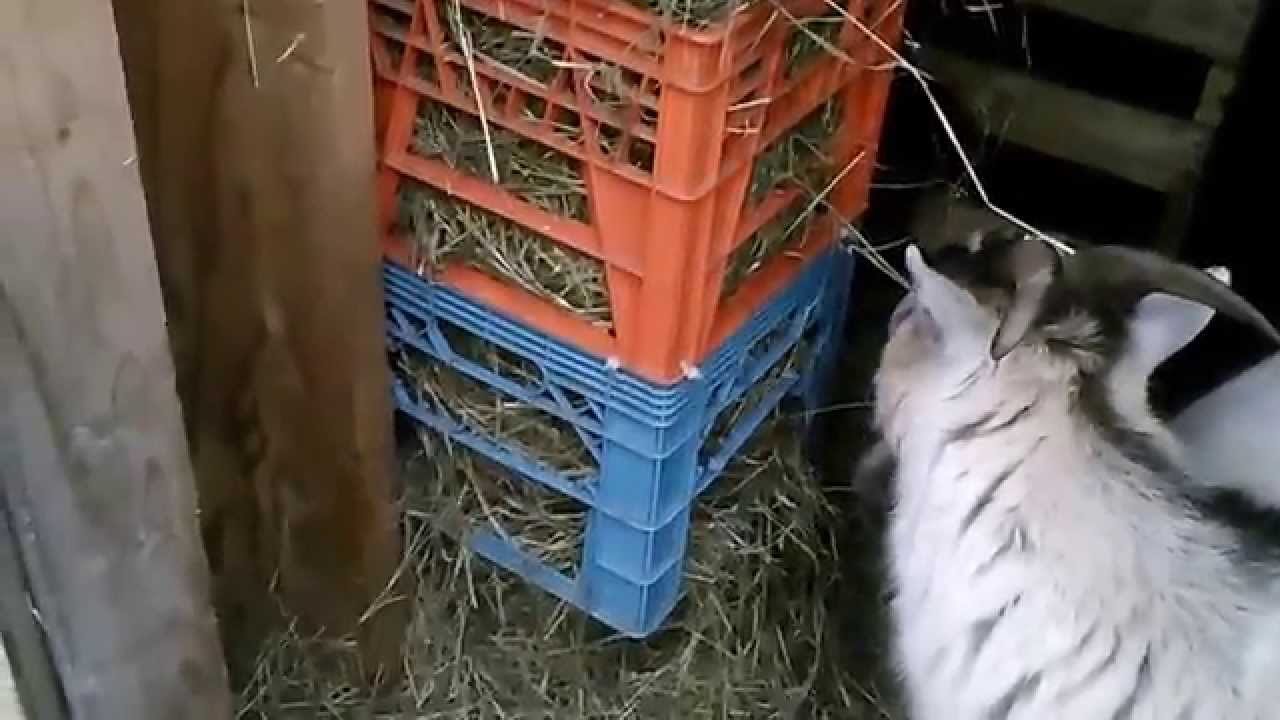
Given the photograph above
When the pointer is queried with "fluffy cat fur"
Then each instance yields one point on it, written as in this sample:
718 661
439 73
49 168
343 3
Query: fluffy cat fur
1051 557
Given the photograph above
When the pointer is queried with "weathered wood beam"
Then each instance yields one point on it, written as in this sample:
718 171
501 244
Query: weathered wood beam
1216 28
1143 147
1218 87
94 468
254 124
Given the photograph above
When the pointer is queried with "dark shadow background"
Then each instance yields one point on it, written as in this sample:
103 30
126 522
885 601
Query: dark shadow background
1230 219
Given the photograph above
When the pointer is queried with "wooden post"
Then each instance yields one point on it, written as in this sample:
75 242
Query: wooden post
95 473
255 134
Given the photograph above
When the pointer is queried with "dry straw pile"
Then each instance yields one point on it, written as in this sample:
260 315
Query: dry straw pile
752 638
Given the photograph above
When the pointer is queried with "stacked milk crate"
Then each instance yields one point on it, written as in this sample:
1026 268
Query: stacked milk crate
610 233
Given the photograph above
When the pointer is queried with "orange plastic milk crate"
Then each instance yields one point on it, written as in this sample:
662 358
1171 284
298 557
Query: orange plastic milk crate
668 128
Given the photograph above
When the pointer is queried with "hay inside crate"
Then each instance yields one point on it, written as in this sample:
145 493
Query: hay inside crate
784 233
527 54
543 437
539 59
446 229
694 13
526 168
799 159
536 57
554 182
813 38
731 416
691 13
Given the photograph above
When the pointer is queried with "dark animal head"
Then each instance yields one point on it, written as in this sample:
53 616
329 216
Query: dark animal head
1001 302
945 217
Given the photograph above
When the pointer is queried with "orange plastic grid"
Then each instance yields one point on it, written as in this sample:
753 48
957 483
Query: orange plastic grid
667 175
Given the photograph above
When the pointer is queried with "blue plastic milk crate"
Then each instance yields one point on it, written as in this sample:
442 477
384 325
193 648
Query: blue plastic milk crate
647 440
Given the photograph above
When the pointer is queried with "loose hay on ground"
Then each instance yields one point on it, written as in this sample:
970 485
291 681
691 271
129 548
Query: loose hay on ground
752 639
468 490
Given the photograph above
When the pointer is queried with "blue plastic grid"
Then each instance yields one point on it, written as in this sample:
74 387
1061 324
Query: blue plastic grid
648 440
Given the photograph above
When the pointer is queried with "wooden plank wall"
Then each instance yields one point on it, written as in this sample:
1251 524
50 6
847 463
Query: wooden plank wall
1159 152
1138 145
96 476
1216 28
255 134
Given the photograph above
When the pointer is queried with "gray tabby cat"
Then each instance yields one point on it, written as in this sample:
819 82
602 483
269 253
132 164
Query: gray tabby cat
1051 557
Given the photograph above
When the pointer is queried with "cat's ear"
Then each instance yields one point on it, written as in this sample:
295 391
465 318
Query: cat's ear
963 325
1161 325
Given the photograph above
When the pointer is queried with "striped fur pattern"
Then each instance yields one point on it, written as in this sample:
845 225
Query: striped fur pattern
1052 559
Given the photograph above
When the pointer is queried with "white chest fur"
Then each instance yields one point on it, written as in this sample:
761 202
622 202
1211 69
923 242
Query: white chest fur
1036 577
